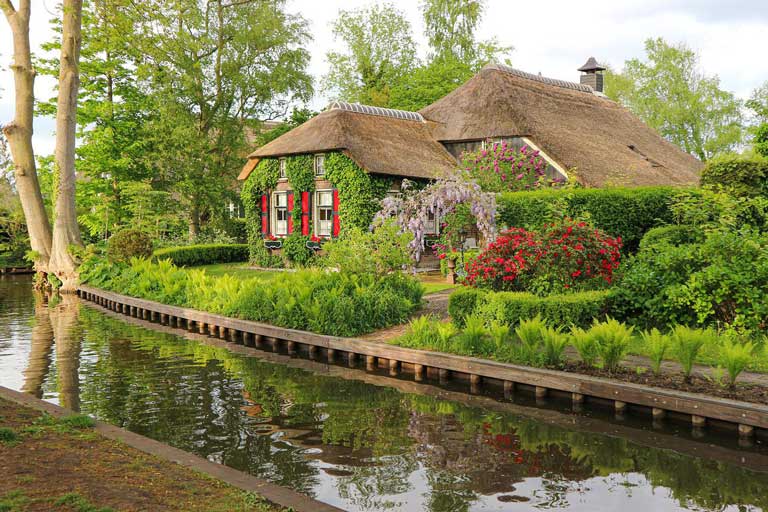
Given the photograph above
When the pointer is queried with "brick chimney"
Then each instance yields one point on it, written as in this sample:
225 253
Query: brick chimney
592 74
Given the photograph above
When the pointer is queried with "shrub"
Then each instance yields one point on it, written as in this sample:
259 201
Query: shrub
565 255
512 307
624 212
734 356
295 251
657 345
530 333
363 252
472 340
740 175
207 254
611 341
422 332
720 281
503 167
687 343
7 435
464 302
675 234
127 244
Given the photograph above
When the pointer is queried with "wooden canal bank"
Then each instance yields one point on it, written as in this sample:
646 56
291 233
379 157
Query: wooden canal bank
702 411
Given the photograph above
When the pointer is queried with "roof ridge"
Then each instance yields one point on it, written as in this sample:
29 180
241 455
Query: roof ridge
406 115
538 78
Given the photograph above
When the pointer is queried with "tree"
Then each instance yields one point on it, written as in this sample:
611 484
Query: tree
758 103
66 232
455 54
379 53
19 134
686 106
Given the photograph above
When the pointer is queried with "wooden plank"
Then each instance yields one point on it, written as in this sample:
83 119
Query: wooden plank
688 403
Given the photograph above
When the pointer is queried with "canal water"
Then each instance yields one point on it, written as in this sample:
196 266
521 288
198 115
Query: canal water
357 440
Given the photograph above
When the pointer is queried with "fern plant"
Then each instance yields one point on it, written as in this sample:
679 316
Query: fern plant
554 343
529 334
734 356
657 345
472 339
586 345
687 342
611 339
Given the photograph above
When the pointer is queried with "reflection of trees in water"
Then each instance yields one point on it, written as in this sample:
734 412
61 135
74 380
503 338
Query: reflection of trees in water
193 396
64 323
41 346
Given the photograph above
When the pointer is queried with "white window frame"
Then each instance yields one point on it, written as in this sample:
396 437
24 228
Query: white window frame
275 209
316 207
318 165
283 173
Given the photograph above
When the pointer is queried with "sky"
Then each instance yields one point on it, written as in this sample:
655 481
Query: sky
551 37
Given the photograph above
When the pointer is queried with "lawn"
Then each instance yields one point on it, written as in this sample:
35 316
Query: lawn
432 282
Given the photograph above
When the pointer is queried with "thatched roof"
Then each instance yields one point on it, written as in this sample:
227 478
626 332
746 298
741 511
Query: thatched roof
381 141
601 140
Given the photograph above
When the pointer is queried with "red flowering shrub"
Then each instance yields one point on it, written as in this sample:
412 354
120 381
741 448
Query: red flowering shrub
568 255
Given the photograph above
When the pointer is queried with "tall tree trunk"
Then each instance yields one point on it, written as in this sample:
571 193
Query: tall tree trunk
65 229
19 134
194 222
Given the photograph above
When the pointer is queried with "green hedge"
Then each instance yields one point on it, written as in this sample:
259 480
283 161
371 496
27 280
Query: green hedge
510 308
624 212
192 255
741 175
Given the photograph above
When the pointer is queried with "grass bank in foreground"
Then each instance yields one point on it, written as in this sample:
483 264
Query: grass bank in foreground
51 464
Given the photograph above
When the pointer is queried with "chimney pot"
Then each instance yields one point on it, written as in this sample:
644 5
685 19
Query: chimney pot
592 74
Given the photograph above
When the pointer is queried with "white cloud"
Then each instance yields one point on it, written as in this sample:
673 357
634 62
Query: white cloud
553 37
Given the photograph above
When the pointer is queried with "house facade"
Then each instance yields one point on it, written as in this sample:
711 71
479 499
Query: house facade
581 134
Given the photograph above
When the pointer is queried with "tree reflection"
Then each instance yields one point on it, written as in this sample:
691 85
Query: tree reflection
41 345
64 312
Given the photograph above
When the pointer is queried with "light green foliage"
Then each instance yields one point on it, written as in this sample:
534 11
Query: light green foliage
686 106
14 240
377 252
360 193
657 345
78 421
379 51
194 255
554 342
336 303
740 175
530 334
586 345
687 342
127 244
734 356
428 83
674 234
473 338
295 251
263 178
611 339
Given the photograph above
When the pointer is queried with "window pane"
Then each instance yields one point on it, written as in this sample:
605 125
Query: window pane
324 228
281 200
320 165
325 198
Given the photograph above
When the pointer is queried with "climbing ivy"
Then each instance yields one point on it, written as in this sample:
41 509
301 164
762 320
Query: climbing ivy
263 178
360 193
300 171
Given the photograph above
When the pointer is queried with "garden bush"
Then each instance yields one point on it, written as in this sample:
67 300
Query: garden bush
565 255
674 234
628 213
503 167
721 281
336 303
509 308
194 255
740 175
295 251
127 244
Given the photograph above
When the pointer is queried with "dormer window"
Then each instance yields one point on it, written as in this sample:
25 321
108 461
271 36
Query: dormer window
283 171
319 165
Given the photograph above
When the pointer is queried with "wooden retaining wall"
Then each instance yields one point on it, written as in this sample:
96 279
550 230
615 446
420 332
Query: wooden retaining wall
700 409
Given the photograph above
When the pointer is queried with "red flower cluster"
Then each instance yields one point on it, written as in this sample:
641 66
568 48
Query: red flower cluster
568 255
315 238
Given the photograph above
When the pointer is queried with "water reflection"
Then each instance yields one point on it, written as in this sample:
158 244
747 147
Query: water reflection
355 444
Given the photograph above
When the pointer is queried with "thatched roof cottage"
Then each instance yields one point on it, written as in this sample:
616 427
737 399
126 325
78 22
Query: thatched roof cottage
582 134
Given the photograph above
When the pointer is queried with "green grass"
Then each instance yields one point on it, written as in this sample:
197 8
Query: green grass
433 287
238 270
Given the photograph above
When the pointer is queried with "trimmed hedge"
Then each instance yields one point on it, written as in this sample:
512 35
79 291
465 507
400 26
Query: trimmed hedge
509 308
740 175
205 254
674 234
128 243
624 212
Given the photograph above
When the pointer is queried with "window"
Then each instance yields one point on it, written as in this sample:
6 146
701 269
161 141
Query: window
323 212
283 172
280 213
319 165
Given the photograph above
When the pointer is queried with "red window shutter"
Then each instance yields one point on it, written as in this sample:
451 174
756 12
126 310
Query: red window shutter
335 231
305 213
290 212
264 214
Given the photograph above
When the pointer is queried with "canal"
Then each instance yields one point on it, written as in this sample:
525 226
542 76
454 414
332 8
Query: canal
359 440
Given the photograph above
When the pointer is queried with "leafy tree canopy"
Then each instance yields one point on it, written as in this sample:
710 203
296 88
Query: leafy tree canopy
669 92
